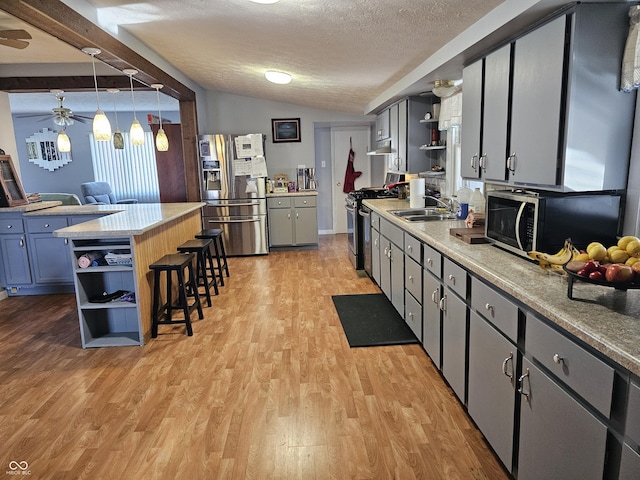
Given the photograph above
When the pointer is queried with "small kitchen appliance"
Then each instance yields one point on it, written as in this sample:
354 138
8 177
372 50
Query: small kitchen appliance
520 221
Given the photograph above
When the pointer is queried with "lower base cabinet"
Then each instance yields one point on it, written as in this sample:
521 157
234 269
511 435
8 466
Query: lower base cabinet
293 220
491 391
454 342
431 316
558 437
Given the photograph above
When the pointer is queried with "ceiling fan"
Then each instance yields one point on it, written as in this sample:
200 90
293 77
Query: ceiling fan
14 38
61 115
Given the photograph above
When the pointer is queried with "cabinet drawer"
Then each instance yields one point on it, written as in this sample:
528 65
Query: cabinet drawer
433 261
279 202
413 277
455 277
632 429
584 373
413 314
495 307
11 225
309 201
45 224
412 247
393 233
629 464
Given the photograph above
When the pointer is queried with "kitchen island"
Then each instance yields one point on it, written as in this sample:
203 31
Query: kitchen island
142 233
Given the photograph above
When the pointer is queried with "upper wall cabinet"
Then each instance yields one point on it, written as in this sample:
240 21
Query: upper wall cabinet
565 126
382 125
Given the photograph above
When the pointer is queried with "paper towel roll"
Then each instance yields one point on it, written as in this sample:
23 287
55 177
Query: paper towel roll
416 193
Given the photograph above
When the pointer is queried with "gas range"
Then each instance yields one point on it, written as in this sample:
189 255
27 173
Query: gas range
354 198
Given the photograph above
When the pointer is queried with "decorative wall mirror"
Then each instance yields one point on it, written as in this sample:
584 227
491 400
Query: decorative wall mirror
42 150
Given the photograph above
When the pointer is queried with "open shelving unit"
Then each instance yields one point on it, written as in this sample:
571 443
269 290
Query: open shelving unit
110 324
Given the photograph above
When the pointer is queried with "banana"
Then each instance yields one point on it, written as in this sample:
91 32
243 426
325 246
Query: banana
551 267
560 258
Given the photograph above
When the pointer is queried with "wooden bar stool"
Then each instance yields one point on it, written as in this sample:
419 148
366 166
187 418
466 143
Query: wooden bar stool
215 234
162 315
205 272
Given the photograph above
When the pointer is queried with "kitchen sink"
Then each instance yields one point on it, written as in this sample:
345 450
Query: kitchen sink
423 214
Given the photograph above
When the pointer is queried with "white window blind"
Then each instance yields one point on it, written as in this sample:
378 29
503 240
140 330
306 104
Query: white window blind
131 172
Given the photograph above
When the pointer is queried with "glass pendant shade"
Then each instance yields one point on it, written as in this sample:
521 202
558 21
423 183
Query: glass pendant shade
118 140
162 142
101 127
137 133
444 88
63 142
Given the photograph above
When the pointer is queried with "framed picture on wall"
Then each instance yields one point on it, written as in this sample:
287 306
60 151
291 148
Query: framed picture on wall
285 130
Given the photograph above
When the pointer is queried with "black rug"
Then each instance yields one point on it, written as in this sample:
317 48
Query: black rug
370 320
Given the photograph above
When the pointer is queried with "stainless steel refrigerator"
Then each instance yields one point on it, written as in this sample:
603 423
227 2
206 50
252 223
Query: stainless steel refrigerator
232 174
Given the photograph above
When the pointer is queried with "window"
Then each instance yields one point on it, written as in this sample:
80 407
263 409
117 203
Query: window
132 172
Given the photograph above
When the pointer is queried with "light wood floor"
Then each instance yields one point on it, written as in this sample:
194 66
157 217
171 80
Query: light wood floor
267 388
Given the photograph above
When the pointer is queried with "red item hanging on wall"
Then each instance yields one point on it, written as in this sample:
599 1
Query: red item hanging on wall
350 175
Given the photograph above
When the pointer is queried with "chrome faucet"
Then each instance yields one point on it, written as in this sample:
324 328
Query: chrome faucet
448 204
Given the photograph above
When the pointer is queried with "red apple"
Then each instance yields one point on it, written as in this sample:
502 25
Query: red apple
636 270
583 273
590 266
603 269
597 275
618 273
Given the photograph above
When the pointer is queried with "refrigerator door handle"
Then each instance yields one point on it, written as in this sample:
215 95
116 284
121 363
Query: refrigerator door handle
235 221
226 205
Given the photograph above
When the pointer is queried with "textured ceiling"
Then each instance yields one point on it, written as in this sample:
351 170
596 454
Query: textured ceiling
341 53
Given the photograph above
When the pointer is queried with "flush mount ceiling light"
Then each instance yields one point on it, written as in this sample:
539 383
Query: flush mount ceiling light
101 125
265 2
444 88
118 140
136 132
280 78
63 142
162 142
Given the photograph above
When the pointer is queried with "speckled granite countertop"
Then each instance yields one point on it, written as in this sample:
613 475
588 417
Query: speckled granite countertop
603 317
292 194
30 207
127 219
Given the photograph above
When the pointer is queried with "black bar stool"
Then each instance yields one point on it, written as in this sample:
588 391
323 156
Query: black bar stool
162 315
205 272
215 234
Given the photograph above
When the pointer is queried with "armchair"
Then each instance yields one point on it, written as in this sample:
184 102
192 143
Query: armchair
100 193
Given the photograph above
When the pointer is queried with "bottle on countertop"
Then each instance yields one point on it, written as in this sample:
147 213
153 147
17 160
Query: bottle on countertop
477 202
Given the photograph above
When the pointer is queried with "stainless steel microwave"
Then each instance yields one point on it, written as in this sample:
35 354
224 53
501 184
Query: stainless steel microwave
521 221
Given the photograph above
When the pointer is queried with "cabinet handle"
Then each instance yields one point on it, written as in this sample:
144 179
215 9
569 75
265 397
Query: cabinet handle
297 215
442 304
434 296
521 389
409 247
411 315
429 261
474 158
489 308
304 201
557 359
46 225
289 216
483 162
511 162
9 226
411 278
452 279
21 243
504 365
375 242
384 252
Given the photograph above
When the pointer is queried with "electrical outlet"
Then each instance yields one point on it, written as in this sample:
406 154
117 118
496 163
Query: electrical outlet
324 164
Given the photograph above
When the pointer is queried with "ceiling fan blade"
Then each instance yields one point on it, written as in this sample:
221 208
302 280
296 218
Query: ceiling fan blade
46 115
14 34
14 43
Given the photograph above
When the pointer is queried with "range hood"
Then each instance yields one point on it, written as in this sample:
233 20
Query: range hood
382 148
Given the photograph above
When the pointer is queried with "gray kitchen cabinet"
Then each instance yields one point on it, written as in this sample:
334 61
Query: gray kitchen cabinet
558 437
431 315
454 326
49 255
392 264
485 112
491 397
630 461
407 155
376 242
413 295
293 220
472 121
15 260
396 158
382 125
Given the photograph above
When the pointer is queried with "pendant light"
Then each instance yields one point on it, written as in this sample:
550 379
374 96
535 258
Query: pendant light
63 142
136 132
118 140
162 142
101 125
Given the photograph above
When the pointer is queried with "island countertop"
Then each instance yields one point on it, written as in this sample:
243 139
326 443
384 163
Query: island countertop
119 220
604 318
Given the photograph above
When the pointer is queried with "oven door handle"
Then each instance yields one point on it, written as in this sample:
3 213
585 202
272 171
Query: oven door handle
518 220
350 209
363 214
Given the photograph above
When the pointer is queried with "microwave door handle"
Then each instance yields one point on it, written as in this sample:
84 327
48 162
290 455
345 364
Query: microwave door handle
518 220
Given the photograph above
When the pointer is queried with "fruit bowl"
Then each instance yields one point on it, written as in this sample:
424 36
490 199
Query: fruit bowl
573 276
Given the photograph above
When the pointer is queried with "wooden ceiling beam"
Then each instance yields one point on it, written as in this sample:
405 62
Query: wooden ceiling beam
59 20
68 84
